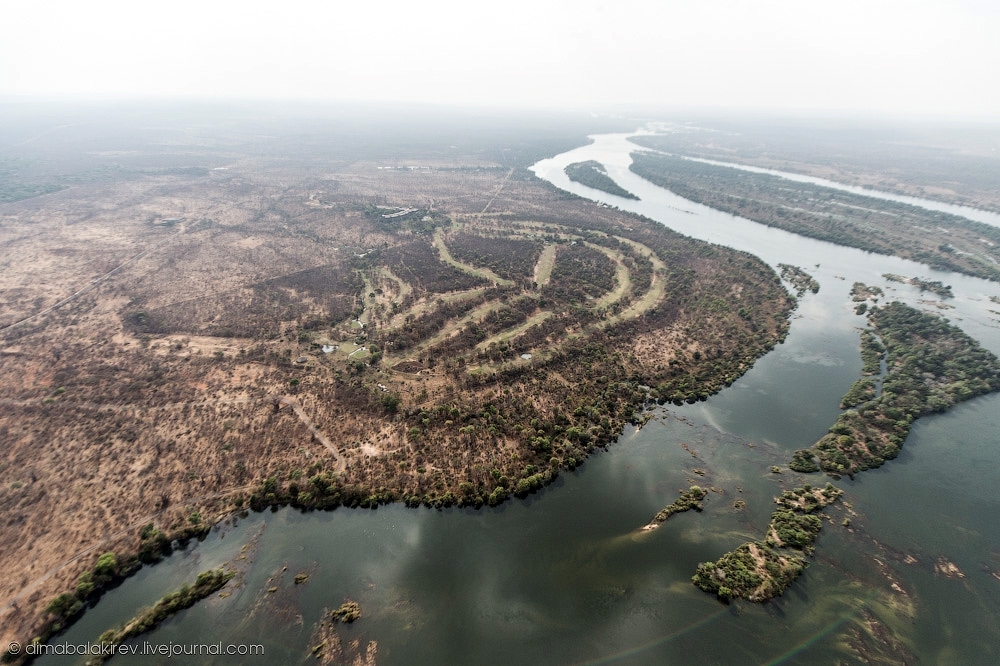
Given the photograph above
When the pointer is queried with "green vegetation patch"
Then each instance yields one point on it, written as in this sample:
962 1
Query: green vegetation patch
932 365
861 391
592 174
754 571
688 499
762 570
207 583
348 612
872 353
793 529
15 191
16 185
933 286
799 279
804 461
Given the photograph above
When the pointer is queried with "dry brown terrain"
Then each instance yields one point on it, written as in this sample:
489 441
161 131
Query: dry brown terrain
167 347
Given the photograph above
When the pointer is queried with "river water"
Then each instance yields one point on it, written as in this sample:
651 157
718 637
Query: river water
565 577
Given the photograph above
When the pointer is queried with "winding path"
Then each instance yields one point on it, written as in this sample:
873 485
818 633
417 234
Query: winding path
320 437
499 190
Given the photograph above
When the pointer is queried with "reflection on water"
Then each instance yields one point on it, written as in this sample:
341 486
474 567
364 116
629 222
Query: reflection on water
566 576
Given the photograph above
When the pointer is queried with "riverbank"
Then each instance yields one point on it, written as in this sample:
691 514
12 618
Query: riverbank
632 314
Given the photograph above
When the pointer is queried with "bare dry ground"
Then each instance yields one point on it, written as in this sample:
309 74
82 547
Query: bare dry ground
177 346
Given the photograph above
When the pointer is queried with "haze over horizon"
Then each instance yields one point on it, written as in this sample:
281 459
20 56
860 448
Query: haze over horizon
889 58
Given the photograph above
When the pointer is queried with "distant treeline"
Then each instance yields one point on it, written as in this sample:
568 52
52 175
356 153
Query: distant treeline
940 240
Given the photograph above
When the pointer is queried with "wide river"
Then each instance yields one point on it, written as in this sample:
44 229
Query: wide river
565 577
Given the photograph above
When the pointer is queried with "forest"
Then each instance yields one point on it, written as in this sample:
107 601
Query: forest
940 240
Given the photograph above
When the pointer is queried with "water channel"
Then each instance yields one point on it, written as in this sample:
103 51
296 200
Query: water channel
565 577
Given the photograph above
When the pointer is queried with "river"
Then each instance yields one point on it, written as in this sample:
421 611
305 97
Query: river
565 577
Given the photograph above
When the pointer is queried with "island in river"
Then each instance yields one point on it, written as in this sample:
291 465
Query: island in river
941 240
931 366
761 570
593 174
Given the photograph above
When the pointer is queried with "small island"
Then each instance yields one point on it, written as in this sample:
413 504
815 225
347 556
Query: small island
934 286
348 612
762 570
688 499
799 279
592 174
931 365
208 582
861 292
328 647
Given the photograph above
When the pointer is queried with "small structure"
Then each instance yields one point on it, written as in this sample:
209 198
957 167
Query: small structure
301 359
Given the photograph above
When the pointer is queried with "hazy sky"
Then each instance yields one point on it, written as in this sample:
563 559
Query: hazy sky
912 57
